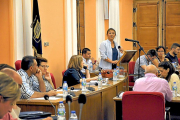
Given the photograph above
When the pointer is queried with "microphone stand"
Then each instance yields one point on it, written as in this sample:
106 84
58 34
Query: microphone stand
141 49
54 117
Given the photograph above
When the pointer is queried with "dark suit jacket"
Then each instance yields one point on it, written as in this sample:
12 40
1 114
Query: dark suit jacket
72 76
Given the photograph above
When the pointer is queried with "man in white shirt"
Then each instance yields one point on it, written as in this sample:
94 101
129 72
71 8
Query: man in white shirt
87 60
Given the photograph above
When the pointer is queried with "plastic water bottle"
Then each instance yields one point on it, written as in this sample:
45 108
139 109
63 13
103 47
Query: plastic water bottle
91 67
73 116
117 70
99 80
61 111
174 64
83 84
114 75
174 88
65 89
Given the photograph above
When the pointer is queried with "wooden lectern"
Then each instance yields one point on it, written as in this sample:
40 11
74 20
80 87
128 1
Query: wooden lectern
124 63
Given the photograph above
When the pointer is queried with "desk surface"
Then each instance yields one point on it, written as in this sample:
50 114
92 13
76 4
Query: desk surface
99 103
110 85
174 99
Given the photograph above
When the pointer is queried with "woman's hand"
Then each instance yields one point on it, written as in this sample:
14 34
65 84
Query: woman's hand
115 62
48 76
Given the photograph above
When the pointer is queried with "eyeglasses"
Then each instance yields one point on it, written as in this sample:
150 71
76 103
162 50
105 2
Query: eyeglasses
44 66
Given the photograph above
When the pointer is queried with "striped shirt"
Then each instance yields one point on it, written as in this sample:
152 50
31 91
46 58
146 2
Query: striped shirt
27 84
46 82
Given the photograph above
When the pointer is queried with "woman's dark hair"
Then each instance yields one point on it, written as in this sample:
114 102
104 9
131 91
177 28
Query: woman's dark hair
40 59
162 48
111 29
27 62
165 65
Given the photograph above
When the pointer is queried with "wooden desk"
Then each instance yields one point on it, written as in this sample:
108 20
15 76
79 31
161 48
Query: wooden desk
99 104
175 105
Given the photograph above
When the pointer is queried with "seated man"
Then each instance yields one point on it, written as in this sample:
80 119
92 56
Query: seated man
144 61
28 69
87 60
151 83
172 55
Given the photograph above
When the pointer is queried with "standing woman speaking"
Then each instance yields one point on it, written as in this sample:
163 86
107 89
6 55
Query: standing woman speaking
109 51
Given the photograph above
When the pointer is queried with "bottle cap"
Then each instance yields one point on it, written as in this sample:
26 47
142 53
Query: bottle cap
174 82
60 101
99 73
83 77
73 111
65 81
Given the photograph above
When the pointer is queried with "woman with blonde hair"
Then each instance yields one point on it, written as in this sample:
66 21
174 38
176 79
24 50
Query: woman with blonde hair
73 74
9 94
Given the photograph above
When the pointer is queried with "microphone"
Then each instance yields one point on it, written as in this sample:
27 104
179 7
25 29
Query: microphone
85 67
81 101
69 100
46 97
126 39
119 47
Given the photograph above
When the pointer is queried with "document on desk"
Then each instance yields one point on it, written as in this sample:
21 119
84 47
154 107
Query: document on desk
92 82
75 90
60 90
42 98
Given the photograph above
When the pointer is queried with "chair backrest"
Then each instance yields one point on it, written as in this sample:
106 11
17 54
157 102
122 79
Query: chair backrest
63 72
53 80
18 64
131 70
143 106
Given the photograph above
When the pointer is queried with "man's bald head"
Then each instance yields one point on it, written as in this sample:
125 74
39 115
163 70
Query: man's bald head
17 78
151 69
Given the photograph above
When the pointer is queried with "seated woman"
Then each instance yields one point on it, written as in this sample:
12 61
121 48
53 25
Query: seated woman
161 53
167 72
42 64
9 94
73 74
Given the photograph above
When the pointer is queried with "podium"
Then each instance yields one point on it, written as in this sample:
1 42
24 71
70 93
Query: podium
124 63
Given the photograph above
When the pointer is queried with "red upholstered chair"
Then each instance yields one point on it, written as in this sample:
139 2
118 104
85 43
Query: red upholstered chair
18 64
131 71
63 72
179 61
53 80
143 106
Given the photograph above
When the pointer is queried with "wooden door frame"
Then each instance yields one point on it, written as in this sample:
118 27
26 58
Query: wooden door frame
159 35
164 25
